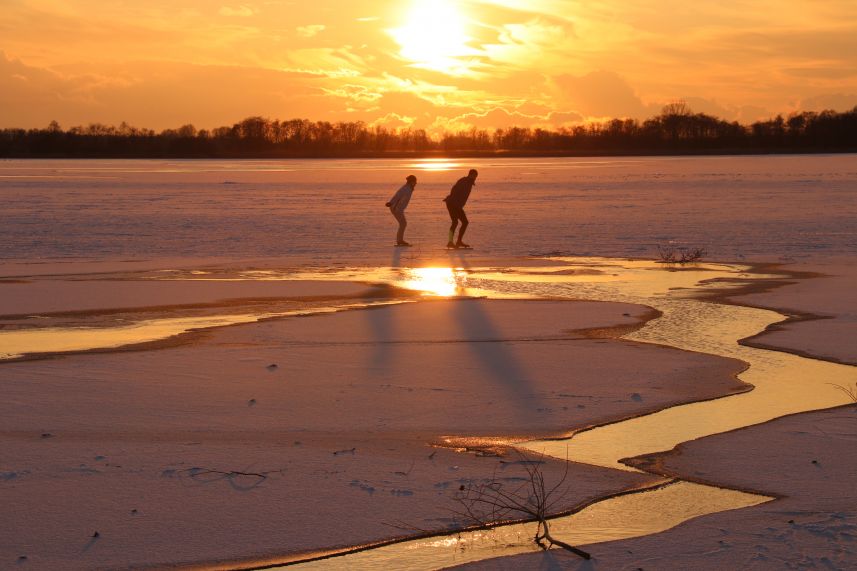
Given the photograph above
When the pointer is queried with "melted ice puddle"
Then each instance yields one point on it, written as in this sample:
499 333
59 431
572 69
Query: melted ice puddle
431 282
784 384
16 344
624 517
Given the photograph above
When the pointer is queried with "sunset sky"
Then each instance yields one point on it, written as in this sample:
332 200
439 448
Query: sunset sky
430 64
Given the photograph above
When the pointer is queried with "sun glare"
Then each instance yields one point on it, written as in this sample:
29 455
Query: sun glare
434 36
434 281
435 165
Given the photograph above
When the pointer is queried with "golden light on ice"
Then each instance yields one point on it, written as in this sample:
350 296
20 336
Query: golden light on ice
434 36
436 165
434 281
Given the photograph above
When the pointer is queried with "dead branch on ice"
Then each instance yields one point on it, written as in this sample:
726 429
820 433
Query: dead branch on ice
490 502
679 255
851 393
236 478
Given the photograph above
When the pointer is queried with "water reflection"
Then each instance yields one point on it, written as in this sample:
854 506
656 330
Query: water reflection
95 331
444 282
624 517
784 384
435 165
36 340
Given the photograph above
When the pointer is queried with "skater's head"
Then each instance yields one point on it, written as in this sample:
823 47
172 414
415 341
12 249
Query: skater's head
411 180
472 174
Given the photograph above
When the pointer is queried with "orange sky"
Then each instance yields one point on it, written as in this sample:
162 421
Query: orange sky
431 64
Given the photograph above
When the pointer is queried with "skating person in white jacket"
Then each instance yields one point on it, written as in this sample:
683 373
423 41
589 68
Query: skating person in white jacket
397 206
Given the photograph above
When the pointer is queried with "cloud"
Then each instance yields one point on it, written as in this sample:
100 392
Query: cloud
242 11
332 62
707 106
520 45
528 61
750 113
602 94
356 93
395 121
563 119
822 71
31 96
500 118
311 30
835 101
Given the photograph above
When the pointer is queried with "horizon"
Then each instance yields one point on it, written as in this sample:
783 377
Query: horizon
676 130
435 136
439 66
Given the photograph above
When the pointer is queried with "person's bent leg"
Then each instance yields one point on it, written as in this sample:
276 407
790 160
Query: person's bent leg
403 223
464 223
453 215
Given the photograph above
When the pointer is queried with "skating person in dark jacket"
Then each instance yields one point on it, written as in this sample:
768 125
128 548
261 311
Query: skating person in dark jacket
455 205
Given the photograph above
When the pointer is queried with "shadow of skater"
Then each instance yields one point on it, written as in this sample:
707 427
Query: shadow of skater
382 326
490 349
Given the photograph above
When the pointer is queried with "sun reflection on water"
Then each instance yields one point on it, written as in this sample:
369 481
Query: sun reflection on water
436 165
443 282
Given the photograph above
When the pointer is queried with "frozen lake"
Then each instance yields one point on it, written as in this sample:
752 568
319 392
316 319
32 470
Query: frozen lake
775 208
136 419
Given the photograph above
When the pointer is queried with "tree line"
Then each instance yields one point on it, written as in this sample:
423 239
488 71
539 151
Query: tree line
676 130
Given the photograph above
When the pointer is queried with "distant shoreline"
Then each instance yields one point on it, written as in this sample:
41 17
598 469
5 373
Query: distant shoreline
442 154
677 131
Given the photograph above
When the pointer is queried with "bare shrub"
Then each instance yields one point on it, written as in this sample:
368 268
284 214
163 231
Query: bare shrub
488 503
851 393
679 255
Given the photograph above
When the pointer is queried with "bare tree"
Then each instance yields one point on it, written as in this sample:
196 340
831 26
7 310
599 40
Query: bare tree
679 107
488 503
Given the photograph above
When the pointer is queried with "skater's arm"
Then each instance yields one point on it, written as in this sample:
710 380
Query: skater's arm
394 201
397 198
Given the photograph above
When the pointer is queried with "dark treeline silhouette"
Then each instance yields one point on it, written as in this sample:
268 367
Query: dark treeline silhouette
677 130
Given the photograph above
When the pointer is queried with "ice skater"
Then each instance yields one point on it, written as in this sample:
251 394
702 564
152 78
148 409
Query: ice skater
397 206
455 205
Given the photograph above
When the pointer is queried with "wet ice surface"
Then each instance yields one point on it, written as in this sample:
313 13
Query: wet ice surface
626 517
330 213
571 278
771 207
784 384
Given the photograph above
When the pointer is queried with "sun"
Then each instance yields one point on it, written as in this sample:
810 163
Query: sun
434 37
